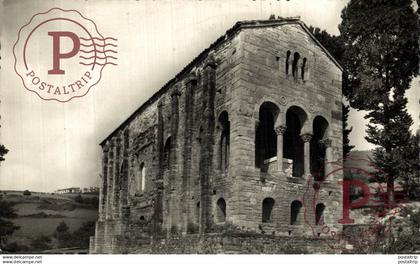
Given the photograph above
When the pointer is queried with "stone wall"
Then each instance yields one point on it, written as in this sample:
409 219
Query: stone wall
172 172
239 243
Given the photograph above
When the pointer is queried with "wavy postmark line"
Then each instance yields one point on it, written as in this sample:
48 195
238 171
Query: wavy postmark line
98 51
97 57
102 39
97 63
375 225
98 45
17 41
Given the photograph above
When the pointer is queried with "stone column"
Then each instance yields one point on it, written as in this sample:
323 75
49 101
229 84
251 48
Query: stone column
104 184
207 142
307 158
328 158
124 210
280 132
117 180
158 199
188 210
110 180
174 167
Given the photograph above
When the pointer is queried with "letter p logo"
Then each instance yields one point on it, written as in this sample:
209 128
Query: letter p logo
347 204
57 55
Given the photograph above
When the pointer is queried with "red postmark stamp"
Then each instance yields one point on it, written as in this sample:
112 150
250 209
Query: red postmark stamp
371 198
60 54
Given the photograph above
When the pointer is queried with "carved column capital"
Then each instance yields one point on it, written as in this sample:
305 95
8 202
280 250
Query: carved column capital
306 137
192 77
280 129
176 91
210 61
326 142
105 148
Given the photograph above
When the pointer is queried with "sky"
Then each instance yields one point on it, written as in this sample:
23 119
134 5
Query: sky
55 145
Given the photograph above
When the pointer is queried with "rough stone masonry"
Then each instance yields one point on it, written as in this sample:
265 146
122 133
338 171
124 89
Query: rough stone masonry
221 155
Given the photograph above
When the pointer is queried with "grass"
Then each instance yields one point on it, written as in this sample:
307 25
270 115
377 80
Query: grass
74 214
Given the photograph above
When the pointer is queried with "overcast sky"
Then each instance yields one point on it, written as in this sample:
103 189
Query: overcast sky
55 145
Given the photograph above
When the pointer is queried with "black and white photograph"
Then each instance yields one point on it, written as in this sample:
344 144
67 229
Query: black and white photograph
141 128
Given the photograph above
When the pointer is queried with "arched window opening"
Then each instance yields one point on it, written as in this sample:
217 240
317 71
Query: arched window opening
197 213
287 61
295 64
317 148
293 147
123 173
267 208
319 214
167 153
265 135
294 212
143 177
221 210
139 177
303 68
224 144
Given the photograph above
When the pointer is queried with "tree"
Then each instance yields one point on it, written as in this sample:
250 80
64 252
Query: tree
3 152
81 236
381 58
7 228
335 46
346 131
62 227
41 242
63 235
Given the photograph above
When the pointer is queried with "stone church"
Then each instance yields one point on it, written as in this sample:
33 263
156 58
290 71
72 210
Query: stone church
231 155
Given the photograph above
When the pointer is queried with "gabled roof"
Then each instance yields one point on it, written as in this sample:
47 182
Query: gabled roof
200 58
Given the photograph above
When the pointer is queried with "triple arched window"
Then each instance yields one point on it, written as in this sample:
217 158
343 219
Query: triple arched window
297 64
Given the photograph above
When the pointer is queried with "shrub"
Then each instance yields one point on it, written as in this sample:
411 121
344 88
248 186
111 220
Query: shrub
41 242
26 192
14 247
78 199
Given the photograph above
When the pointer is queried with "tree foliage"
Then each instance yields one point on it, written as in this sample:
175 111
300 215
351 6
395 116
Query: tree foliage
3 152
335 46
7 227
381 58
78 238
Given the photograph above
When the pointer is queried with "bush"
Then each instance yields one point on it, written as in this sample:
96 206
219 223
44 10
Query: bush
42 242
78 199
15 247
26 192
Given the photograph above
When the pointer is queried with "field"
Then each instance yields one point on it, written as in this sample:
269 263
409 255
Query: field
40 213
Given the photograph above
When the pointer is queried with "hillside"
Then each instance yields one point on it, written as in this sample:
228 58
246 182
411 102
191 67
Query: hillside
39 214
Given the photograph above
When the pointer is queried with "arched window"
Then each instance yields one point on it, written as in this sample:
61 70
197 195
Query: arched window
319 214
167 153
294 212
287 61
143 177
221 210
265 135
317 148
293 147
267 208
224 141
139 177
303 68
295 64
197 212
